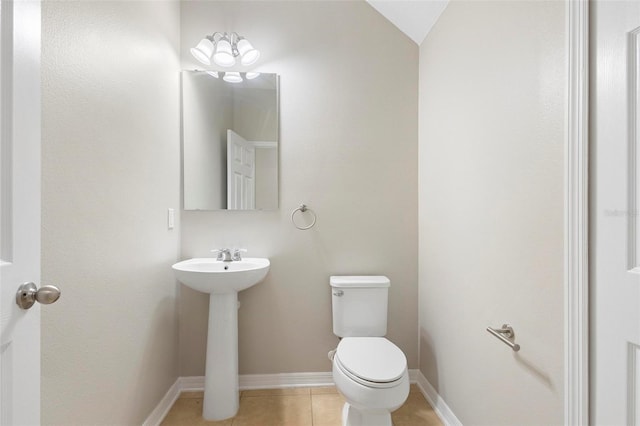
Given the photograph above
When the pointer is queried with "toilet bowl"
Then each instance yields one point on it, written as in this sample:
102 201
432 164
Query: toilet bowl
371 373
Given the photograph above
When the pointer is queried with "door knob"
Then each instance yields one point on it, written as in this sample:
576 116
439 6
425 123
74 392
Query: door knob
28 294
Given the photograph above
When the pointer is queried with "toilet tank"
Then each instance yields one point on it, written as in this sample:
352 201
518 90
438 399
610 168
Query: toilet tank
359 305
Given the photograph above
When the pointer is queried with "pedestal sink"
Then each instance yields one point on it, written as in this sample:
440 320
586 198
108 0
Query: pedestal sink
223 281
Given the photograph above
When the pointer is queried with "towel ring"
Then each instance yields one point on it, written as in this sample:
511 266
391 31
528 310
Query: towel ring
303 208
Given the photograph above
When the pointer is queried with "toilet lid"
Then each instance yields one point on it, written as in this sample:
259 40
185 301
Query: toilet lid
374 359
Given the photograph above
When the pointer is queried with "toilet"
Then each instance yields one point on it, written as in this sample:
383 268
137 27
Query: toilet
368 370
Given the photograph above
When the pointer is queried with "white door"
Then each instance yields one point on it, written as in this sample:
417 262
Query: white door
615 234
241 172
19 210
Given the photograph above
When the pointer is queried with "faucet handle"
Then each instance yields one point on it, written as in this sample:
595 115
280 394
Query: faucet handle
220 253
236 254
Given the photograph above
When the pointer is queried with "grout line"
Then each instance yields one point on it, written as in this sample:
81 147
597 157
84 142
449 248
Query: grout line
311 405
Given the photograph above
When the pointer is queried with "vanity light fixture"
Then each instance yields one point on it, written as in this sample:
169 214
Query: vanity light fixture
233 76
203 51
224 48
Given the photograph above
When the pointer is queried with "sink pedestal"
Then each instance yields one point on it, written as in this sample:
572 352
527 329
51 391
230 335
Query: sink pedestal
221 389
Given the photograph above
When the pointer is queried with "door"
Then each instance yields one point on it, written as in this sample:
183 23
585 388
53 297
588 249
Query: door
19 210
241 172
615 249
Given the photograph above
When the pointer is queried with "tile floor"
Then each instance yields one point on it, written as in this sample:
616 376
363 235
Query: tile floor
318 406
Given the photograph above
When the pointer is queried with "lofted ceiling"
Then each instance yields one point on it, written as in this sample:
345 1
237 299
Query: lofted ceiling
415 18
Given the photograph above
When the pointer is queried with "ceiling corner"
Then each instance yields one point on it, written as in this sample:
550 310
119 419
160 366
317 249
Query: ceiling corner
415 18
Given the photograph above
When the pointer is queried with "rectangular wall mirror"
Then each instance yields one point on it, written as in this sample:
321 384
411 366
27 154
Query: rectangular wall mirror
230 141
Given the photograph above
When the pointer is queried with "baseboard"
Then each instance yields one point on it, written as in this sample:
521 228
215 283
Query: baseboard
191 383
439 406
285 380
261 381
413 376
165 404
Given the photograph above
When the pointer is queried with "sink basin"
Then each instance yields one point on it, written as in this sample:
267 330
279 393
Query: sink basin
209 275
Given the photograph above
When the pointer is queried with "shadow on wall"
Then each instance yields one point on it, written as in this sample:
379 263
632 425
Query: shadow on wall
536 372
428 360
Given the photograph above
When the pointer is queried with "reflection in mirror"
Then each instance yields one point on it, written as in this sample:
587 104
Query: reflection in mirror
230 142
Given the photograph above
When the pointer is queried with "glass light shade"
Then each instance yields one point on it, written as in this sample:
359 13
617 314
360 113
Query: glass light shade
203 51
252 75
248 55
213 74
232 77
224 54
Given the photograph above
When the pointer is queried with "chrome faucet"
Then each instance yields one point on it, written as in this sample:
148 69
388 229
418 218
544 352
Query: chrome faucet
224 255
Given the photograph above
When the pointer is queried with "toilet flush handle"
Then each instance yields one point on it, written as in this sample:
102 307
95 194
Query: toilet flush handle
338 293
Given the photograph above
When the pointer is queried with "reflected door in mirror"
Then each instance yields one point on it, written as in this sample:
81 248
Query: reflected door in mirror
241 170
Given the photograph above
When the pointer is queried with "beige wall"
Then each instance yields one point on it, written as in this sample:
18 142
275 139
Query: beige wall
110 159
492 95
348 149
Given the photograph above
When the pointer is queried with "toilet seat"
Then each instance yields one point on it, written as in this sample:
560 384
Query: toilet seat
371 361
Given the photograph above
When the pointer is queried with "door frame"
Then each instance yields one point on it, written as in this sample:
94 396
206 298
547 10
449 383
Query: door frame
20 161
576 218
